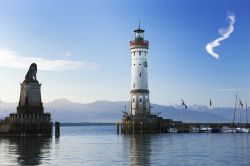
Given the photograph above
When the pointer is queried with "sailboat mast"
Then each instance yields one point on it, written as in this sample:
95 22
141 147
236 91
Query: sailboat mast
246 114
235 107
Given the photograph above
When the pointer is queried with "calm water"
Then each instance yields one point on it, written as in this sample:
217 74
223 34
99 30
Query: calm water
91 145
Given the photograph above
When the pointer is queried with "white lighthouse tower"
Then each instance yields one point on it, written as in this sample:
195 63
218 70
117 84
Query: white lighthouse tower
139 75
140 119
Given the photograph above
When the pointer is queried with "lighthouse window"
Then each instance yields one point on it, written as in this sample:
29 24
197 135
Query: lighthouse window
140 100
140 74
139 52
133 100
134 85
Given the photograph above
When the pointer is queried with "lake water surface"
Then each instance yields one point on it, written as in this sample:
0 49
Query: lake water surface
100 145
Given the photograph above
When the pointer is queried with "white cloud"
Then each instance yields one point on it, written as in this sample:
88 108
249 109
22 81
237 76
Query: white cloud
225 33
11 59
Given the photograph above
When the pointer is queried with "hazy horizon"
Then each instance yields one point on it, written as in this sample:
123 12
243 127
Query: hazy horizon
65 100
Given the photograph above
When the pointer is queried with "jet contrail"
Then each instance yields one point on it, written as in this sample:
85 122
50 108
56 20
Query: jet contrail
225 33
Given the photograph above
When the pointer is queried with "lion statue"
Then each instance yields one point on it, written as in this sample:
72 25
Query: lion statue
31 74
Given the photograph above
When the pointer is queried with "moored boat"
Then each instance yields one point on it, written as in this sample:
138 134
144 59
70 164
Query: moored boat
205 129
226 129
172 130
242 130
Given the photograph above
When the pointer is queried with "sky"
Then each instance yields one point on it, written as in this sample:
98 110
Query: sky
82 49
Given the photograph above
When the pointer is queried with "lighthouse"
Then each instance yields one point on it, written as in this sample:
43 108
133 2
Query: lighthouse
140 119
140 103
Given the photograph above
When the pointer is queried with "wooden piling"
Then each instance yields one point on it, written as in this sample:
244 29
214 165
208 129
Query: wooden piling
57 129
118 127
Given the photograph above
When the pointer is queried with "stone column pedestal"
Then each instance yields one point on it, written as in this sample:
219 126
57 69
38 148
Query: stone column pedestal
30 101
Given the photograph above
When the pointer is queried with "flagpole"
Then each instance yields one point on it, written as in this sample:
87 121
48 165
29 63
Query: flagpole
53 113
210 102
209 121
245 119
182 113
182 104
181 108
210 112
185 107
235 108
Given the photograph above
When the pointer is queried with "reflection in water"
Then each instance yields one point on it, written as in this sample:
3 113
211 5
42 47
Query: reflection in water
100 145
140 149
29 150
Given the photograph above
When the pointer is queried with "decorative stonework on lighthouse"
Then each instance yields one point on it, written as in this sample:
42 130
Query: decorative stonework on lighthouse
139 74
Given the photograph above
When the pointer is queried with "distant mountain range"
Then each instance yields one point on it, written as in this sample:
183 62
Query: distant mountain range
64 110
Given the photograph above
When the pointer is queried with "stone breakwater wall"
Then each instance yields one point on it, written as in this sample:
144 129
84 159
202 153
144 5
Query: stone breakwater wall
156 124
26 125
